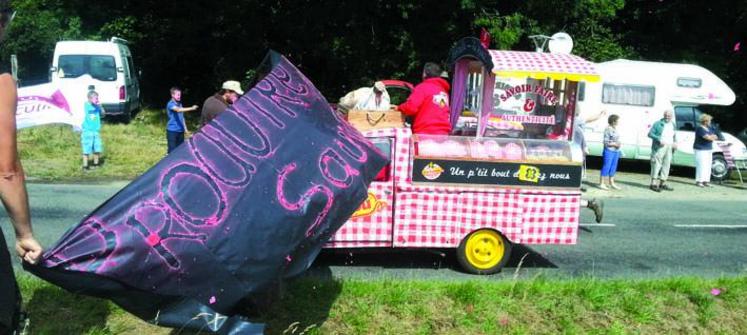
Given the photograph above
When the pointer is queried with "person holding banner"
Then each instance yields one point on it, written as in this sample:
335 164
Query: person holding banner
13 195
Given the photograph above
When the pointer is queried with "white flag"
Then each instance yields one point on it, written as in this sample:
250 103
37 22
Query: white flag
49 103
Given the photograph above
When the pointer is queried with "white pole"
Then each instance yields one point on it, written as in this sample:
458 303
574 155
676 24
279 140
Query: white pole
14 67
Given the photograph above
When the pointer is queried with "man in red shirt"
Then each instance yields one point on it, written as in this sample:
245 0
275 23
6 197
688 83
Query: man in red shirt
429 103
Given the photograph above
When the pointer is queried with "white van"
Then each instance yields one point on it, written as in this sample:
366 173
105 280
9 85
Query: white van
107 66
639 92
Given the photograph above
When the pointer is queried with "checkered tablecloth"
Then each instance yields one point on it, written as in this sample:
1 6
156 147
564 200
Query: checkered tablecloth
425 216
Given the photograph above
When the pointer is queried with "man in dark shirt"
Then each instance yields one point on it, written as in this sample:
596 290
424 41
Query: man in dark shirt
218 102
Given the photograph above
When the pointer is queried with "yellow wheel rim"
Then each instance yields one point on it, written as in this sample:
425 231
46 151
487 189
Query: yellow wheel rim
485 249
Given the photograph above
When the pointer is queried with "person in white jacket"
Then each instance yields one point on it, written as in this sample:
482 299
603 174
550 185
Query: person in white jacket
374 98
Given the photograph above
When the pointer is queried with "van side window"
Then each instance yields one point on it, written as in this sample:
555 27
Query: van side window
130 67
685 118
581 91
689 82
385 146
632 95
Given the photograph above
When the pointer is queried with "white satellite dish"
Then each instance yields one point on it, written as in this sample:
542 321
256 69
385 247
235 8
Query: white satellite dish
561 43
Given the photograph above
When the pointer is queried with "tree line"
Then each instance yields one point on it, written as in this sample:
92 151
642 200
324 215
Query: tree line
342 45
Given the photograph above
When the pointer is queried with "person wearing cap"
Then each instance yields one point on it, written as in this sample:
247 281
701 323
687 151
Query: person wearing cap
229 92
428 104
13 195
374 98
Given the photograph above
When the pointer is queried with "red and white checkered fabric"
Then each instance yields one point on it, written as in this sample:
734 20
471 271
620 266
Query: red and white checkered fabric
550 218
428 216
540 62
374 227
442 220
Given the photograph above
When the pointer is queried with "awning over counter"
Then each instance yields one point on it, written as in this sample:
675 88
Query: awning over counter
542 65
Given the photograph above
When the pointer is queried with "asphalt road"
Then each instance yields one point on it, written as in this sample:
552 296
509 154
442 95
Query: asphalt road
691 231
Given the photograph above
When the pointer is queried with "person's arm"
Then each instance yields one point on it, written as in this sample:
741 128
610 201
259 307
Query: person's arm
595 117
347 102
655 132
12 181
184 109
706 134
413 103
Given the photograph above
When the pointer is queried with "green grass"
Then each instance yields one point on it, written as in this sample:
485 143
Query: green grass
538 306
52 153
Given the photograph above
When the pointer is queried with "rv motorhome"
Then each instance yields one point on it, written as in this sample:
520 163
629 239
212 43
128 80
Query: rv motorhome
639 92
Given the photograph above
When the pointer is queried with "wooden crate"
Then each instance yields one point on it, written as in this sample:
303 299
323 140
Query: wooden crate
366 120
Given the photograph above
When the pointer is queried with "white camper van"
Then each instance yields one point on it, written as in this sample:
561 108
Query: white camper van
639 92
107 66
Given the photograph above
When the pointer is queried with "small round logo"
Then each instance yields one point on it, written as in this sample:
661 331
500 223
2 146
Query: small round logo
432 171
529 105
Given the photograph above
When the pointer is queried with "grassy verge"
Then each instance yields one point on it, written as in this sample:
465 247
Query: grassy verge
52 153
539 306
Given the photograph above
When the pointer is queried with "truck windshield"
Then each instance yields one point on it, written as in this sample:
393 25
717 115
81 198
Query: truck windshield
99 67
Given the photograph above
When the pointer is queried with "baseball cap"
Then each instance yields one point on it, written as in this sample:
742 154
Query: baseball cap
233 86
379 86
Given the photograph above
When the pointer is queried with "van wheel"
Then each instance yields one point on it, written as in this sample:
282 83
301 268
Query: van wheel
719 168
484 252
126 118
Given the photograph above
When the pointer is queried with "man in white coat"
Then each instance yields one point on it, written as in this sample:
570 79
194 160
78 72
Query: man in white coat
374 98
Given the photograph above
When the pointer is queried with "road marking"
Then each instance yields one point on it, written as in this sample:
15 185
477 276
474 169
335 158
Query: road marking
735 226
597 225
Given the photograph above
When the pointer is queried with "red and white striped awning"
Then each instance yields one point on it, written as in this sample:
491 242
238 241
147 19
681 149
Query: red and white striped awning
539 65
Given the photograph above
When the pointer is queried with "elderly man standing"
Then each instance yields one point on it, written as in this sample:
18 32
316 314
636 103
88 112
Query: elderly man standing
663 144
374 98
217 103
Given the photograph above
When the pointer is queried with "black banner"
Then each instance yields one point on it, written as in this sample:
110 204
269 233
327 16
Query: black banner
495 173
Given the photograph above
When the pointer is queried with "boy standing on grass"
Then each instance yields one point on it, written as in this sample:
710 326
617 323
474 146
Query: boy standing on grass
176 127
90 137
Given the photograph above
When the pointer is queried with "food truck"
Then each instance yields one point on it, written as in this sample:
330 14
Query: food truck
506 175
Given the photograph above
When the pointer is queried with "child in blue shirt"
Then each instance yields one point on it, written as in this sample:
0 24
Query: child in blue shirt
176 126
90 137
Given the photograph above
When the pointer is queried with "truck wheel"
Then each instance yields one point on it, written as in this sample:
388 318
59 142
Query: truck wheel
719 168
484 252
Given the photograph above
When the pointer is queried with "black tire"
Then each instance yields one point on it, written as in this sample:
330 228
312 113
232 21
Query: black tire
479 258
719 168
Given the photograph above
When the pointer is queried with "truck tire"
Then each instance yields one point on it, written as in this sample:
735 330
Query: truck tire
719 168
126 118
484 252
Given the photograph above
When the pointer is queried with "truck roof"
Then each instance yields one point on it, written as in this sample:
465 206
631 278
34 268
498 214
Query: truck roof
688 83
85 47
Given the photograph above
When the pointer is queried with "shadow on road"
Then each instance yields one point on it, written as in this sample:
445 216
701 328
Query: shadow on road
531 258
434 259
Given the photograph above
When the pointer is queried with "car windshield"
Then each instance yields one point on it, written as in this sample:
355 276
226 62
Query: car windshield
99 67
